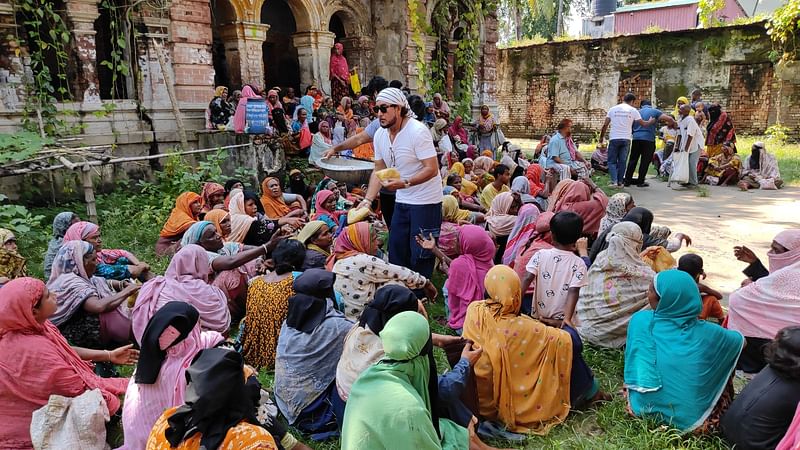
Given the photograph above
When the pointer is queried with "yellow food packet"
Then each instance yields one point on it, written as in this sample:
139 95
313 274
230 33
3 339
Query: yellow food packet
388 174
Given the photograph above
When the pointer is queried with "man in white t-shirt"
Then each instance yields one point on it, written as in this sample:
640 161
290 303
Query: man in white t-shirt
691 140
406 145
621 118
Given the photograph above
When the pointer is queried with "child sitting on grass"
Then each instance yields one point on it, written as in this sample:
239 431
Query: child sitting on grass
693 265
557 273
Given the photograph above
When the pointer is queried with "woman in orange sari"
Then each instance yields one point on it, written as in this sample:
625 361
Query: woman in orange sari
278 204
185 213
510 393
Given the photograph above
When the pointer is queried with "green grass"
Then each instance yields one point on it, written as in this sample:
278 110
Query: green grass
605 427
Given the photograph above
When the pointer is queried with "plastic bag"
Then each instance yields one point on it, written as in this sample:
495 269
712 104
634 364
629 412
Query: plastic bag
680 168
65 422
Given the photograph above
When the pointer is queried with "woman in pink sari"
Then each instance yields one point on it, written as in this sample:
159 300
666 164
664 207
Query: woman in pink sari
186 280
168 344
241 109
762 308
340 74
36 361
466 274
582 197
111 264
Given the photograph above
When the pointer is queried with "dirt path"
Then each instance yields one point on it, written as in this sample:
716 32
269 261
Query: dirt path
721 220
716 223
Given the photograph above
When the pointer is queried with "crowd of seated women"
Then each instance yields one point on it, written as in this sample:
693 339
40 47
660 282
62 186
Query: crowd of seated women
298 283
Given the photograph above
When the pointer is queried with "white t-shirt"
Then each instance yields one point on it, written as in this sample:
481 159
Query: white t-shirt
689 127
622 117
411 145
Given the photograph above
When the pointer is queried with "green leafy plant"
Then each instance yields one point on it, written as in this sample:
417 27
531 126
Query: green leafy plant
707 9
17 218
778 134
119 43
783 29
21 146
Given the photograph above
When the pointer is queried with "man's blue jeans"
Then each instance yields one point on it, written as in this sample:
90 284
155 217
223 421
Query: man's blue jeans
617 158
407 222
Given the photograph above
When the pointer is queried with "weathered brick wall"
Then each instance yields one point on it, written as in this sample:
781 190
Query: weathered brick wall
539 85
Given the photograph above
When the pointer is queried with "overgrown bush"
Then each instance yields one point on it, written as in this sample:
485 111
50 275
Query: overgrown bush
19 220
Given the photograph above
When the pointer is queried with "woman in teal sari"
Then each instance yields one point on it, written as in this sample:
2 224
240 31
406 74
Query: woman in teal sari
404 376
677 367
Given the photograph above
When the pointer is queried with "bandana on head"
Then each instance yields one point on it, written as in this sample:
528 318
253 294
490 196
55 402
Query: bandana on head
394 96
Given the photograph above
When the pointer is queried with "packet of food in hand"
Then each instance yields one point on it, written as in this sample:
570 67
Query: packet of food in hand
388 174
132 298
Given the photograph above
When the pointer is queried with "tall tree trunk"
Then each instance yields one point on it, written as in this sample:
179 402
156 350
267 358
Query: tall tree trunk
560 19
517 19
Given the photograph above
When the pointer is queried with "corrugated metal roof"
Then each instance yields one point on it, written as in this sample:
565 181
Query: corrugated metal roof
654 5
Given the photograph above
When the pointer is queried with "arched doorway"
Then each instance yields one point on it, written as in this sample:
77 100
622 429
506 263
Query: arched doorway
336 27
222 13
281 66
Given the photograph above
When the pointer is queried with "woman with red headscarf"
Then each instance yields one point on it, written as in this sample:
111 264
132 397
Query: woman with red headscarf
582 197
340 74
37 362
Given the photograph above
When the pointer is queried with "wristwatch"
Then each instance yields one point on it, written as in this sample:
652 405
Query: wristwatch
407 182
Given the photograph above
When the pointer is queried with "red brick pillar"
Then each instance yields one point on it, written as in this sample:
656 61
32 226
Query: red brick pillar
487 73
82 14
190 36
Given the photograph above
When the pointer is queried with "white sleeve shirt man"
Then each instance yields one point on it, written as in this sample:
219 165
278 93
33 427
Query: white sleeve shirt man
622 117
689 127
411 146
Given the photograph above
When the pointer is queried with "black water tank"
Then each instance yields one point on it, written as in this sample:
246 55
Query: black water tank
603 7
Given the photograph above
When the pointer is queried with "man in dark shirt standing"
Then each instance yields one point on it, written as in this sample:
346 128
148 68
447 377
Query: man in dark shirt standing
643 145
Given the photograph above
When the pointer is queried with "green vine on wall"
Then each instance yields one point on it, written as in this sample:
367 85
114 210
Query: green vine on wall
783 28
417 33
46 32
119 43
446 17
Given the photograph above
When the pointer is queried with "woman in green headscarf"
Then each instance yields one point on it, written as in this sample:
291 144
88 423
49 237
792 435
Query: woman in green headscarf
407 377
677 367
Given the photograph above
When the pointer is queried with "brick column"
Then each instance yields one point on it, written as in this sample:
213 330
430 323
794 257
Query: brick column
450 75
244 51
314 56
82 15
153 93
190 38
487 74
415 81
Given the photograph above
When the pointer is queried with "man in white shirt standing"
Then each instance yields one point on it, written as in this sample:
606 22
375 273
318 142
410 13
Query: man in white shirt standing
406 144
621 118
691 140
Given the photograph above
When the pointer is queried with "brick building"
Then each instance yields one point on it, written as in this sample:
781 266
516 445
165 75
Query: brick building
205 43
539 85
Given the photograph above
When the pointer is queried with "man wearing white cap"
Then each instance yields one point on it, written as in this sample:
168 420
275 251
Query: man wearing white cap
406 145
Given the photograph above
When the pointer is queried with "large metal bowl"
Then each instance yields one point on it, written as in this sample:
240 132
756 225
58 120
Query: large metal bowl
352 171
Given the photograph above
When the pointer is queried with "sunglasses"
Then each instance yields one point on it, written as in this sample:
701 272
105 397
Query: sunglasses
382 108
